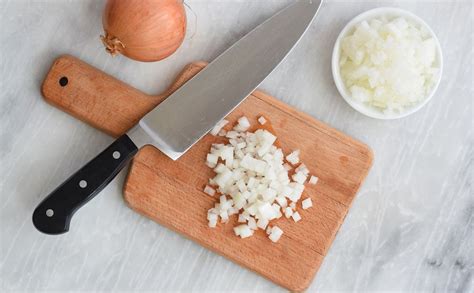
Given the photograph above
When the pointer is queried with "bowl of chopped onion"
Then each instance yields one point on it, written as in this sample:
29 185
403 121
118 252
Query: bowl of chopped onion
387 63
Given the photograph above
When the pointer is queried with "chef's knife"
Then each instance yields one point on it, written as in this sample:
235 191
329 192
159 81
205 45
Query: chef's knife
179 121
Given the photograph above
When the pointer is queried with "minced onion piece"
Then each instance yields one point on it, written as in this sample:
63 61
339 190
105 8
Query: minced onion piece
302 169
313 180
211 160
288 212
277 210
253 180
224 216
215 131
243 124
275 234
262 223
212 218
389 63
307 203
262 120
293 158
296 216
243 231
281 200
252 223
209 190
299 177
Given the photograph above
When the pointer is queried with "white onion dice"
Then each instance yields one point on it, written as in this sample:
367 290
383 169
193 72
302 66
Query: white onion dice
253 180
389 64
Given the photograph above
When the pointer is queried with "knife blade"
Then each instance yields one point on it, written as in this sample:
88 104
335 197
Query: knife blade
178 122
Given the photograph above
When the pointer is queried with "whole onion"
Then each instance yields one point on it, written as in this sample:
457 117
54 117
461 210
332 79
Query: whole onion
144 30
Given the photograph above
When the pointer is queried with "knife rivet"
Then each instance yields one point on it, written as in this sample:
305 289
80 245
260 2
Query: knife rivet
49 213
116 155
83 184
63 81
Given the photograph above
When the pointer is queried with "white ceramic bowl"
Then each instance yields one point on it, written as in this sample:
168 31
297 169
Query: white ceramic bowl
361 107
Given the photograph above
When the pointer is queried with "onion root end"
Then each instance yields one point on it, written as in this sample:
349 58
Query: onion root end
112 44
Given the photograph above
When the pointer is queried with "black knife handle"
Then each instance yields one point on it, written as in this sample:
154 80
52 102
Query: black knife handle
54 213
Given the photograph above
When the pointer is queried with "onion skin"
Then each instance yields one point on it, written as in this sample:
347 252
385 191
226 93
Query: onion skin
143 30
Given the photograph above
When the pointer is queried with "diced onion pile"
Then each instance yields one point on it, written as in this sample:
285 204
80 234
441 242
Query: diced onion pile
389 64
253 180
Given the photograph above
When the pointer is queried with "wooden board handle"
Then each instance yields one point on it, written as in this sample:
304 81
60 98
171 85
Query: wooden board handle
99 99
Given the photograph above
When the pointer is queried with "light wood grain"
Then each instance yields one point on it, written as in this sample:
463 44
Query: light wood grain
99 99
170 192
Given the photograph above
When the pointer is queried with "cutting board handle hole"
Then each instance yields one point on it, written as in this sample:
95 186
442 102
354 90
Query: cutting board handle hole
63 81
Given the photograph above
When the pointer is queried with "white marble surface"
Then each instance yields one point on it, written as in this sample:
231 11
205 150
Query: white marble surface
410 227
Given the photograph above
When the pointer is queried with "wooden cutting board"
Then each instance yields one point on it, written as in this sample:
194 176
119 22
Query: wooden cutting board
170 192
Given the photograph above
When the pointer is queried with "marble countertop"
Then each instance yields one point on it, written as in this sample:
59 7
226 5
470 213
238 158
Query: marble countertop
409 229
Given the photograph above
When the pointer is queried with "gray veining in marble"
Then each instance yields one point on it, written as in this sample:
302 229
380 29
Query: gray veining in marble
410 227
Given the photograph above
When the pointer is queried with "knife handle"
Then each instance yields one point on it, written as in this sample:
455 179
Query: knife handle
54 213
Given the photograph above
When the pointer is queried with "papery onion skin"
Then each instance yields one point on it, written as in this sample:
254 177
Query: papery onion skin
144 30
